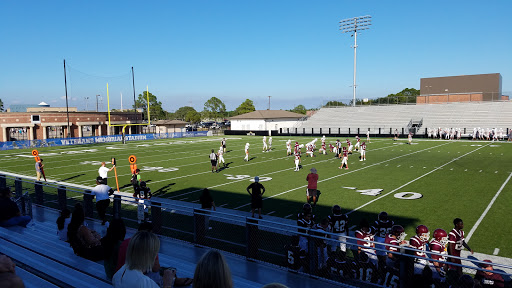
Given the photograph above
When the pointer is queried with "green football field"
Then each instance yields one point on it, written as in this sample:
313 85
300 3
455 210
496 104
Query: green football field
444 179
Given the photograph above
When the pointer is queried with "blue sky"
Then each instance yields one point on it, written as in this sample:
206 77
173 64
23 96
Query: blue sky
190 51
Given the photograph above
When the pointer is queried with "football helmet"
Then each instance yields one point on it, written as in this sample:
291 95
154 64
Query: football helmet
441 236
336 210
423 233
383 216
306 207
363 143
143 185
399 232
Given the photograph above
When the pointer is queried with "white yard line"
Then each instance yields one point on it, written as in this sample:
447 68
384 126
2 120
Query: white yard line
487 209
414 180
344 174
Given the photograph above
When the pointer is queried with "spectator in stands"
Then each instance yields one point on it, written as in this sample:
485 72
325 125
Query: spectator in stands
140 257
111 243
207 203
62 224
10 215
156 270
85 242
8 277
488 278
212 271
102 193
256 195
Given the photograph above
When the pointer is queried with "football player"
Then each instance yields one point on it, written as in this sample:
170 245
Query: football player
288 147
246 151
297 160
296 257
419 242
338 223
368 136
320 230
395 237
380 228
344 161
265 147
438 245
221 156
410 138
363 152
364 236
338 148
223 143
306 208
323 149
364 270
338 267
306 223
350 146
309 150
456 243
269 143
358 143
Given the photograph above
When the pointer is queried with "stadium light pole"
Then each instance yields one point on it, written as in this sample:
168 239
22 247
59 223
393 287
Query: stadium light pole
352 25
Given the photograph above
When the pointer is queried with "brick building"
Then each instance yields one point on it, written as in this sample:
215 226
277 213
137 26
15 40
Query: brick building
48 125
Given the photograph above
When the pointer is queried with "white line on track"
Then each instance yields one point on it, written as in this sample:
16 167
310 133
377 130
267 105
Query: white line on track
487 209
414 180
350 172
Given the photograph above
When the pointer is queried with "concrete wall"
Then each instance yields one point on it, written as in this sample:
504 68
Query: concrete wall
262 124
444 98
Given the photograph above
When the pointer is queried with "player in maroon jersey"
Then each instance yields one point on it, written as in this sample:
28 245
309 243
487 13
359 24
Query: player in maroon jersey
338 266
419 242
350 147
380 228
364 270
395 237
358 143
363 152
344 160
438 246
364 236
338 223
456 243
295 256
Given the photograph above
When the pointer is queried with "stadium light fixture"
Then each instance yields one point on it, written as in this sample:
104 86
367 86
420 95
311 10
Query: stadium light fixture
352 25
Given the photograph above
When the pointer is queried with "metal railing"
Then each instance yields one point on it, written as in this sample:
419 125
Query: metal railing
263 240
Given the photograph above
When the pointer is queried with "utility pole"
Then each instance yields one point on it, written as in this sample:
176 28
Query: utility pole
97 102
269 102
352 25
67 105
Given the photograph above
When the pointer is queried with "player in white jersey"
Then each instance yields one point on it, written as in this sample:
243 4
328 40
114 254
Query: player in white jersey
350 146
410 138
309 150
265 147
221 157
358 143
288 147
247 152
363 152
297 160
269 143
368 136
323 149
223 143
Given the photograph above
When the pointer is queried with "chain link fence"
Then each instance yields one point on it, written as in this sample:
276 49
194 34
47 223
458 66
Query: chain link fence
311 251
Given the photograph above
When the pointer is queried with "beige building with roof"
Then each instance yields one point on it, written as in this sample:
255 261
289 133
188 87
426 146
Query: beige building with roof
264 120
169 126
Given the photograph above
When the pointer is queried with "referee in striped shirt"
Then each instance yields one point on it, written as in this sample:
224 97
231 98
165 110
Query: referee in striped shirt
213 159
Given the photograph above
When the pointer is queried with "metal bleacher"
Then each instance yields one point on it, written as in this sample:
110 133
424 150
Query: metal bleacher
45 261
457 115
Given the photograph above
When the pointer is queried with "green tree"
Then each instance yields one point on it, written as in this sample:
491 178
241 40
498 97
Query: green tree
334 103
407 95
214 108
155 107
246 107
299 109
193 116
182 112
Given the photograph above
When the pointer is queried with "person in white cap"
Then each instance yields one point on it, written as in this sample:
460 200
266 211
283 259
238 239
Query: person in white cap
256 195
311 191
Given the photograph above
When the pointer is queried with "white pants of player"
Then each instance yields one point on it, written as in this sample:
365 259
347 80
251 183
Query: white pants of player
419 265
246 155
350 148
357 146
265 146
344 161
297 164
310 153
363 155
371 255
221 159
288 150
342 238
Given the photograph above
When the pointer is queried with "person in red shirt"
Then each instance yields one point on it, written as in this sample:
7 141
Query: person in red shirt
312 179
488 278
456 243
